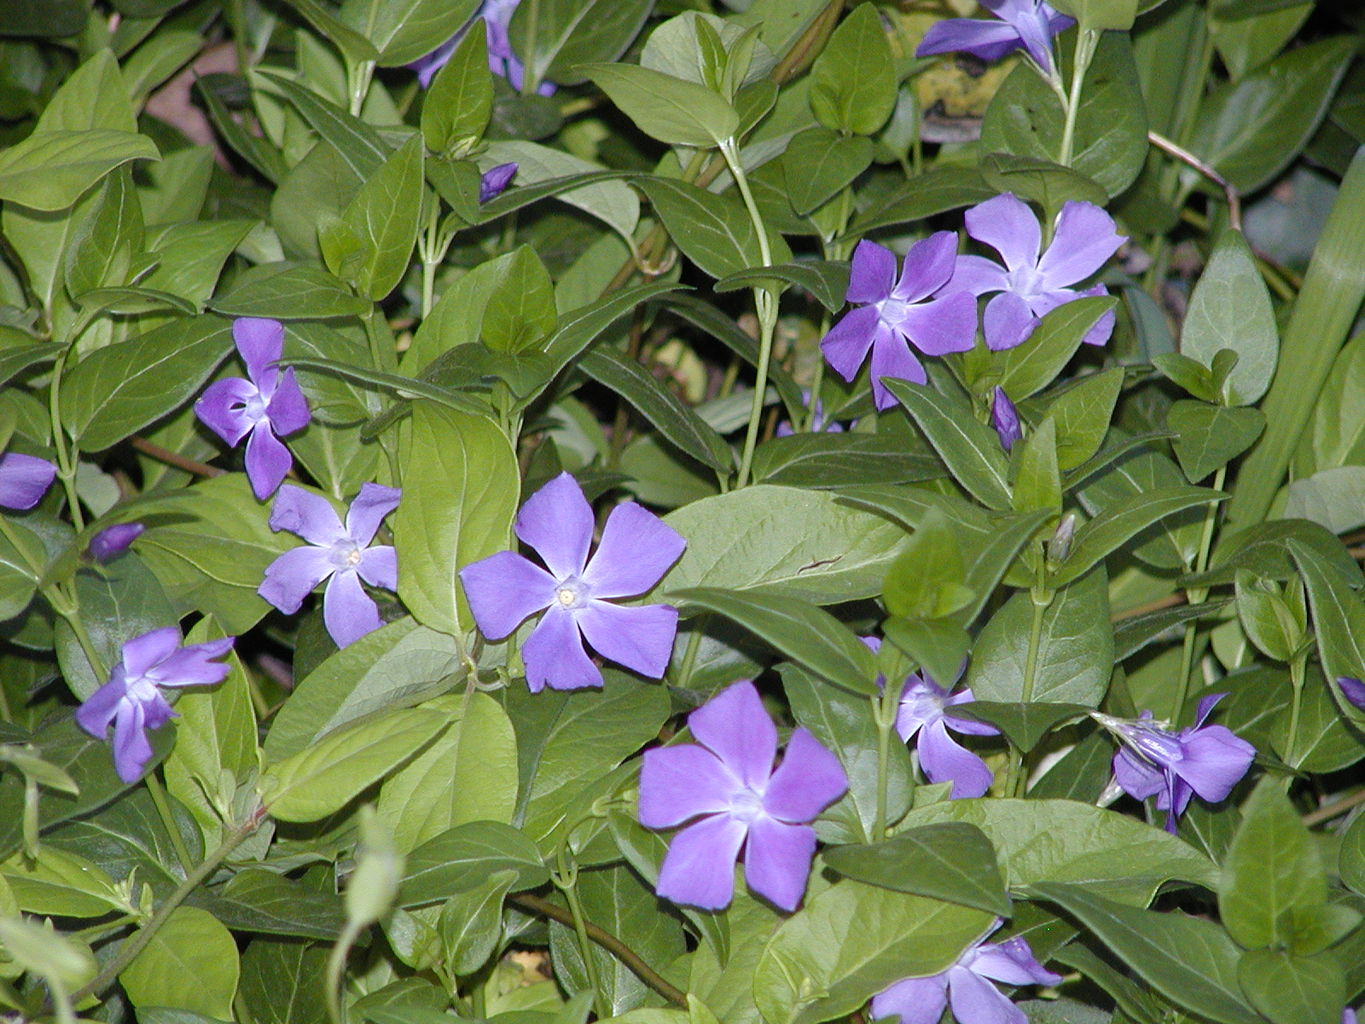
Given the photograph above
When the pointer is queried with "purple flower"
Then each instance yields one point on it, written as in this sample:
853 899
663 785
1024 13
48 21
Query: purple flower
24 479
726 782
636 550
1029 285
1172 766
342 553
1005 419
817 420
967 987
494 180
895 314
922 710
502 61
131 700
1029 24
1353 689
114 540
267 404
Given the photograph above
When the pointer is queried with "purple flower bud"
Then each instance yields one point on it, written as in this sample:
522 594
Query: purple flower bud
114 540
1353 690
24 479
494 180
1060 544
1005 419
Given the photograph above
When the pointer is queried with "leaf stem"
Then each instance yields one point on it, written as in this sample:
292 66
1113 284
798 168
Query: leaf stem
566 880
1196 595
163 809
1015 779
1086 42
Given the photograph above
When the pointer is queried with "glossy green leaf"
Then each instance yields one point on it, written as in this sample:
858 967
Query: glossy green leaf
49 170
1101 14
459 859
521 308
826 460
819 162
1338 619
471 922
937 190
1082 413
1024 724
460 99
565 35
853 81
259 900
1174 541
1208 437
289 291
191 963
1030 367
403 30
666 108
970 449
1291 989
825 280
714 231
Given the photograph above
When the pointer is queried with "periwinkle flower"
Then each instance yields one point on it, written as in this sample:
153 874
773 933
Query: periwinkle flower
502 59
923 711
340 554
114 540
726 787
132 700
967 987
262 408
636 549
495 180
24 479
1031 285
925 308
818 423
1353 690
1026 24
1005 419
1173 766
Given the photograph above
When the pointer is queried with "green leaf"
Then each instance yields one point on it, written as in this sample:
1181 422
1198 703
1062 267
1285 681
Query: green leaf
383 217
1188 960
825 280
50 19
460 99
851 941
1174 542
521 307
799 630
282 982
1028 368
190 963
49 170
471 922
1037 480
950 861
289 291
107 237
970 449
714 231
1135 632
259 900
825 460
48 954
565 35
542 171
1273 879
1351 859
325 777
403 30
1075 653
1042 182
1097 15
1291 989
928 579
936 191
1082 413
62 884
1338 619
1208 437
1023 724
853 81
678 423
718 325
459 859
1250 130
666 108
459 498
819 162
350 42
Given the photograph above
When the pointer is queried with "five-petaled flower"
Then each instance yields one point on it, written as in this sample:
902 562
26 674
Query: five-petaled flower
131 700
725 785
967 987
24 479
502 59
925 308
342 553
1026 24
923 711
1030 285
1173 766
636 549
268 403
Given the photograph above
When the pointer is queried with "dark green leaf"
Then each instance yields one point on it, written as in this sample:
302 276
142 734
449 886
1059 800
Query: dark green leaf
827 460
1339 620
1028 368
289 291
459 859
1208 437
853 81
937 190
714 231
970 449
669 109
819 162
256 900
567 34
1023 724
825 280
1291 989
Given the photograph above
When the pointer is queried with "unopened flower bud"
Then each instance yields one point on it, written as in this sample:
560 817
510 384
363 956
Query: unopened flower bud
1005 419
494 180
114 540
1060 544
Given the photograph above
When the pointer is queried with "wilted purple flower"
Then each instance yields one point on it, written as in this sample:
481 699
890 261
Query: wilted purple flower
494 180
114 540
1172 766
342 553
267 404
917 310
636 549
1005 419
923 707
497 16
1353 689
727 783
24 479
967 987
1031 286
131 700
1029 24
817 420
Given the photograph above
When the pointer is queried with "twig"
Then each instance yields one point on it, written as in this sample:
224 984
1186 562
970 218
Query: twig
1186 157
1332 810
155 451
1169 601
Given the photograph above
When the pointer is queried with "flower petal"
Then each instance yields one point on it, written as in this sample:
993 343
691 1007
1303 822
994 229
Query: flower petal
679 783
24 479
261 342
892 358
371 505
699 868
1135 776
192 665
101 706
378 566
989 40
873 273
976 1000
636 549
1084 239
554 654
557 522
1035 32
1012 962
307 515
640 638
1007 225
267 461
977 275
503 589
1205 707
734 725
222 408
913 1000
777 861
347 611
845 346
293 575
942 758
288 409
808 780
143 653
1104 326
942 325
1008 321
1353 690
132 751
1215 760
928 266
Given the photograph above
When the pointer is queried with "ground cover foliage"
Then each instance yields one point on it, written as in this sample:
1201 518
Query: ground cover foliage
666 511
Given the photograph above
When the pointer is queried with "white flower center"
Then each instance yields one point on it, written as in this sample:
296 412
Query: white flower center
892 311
346 554
254 407
746 805
141 690
571 593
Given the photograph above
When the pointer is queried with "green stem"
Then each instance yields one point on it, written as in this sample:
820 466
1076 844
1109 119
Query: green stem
336 963
1297 668
163 809
359 76
690 655
530 73
884 709
66 466
135 945
1196 595
1015 780
1086 42
566 879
